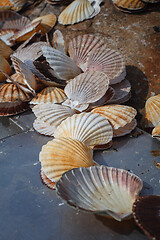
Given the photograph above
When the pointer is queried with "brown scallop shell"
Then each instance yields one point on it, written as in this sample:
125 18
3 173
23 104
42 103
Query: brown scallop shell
130 5
13 108
81 46
5 50
61 155
5 67
119 117
49 95
146 214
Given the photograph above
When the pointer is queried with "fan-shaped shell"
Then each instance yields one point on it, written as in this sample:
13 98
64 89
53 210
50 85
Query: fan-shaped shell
31 52
108 61
156 132
47 22
80 47
61 155
5 67
122 92
5 50
13 108
63 66
100 190
118 116
51 115
11 93
77 11
151 116
49 95
86 88
129 5
58 41
26 32
89 128
146 214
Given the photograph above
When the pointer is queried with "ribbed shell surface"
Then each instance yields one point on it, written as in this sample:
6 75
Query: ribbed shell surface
81 46
63 66
86 88
47 22
4 65
61 155
49 95
101 190
108 61
5 50
89 128
129 4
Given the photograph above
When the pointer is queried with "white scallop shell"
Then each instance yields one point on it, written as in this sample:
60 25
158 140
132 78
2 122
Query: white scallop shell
61 155
89 128
80 47
63 66
86 88
58 41
51 115
100 190
119 117
108 61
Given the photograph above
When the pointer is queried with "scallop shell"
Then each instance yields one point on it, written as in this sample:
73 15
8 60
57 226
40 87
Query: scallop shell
26 76
61 155
50 116
5 50
13 20
17 5
58 41
47 22
156 132
31 52
5 36
4 65
119 117
100 190
77 11
46 180
86 88
63 66
122 92
26 32
49 95
89 128
129 5
151 115
13 108
108 61
80 47
146 214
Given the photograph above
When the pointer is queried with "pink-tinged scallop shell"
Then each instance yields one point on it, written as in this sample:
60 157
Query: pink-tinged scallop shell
31 52
119 117
122 92
146 214
47 22
63 66
156 132
131 5
50 116
100 190
4 65
26 32
26 78
107 61
77 11
49 95
81 46
89 128
58 41
151 112
46 180
5 50
61 155
86 88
